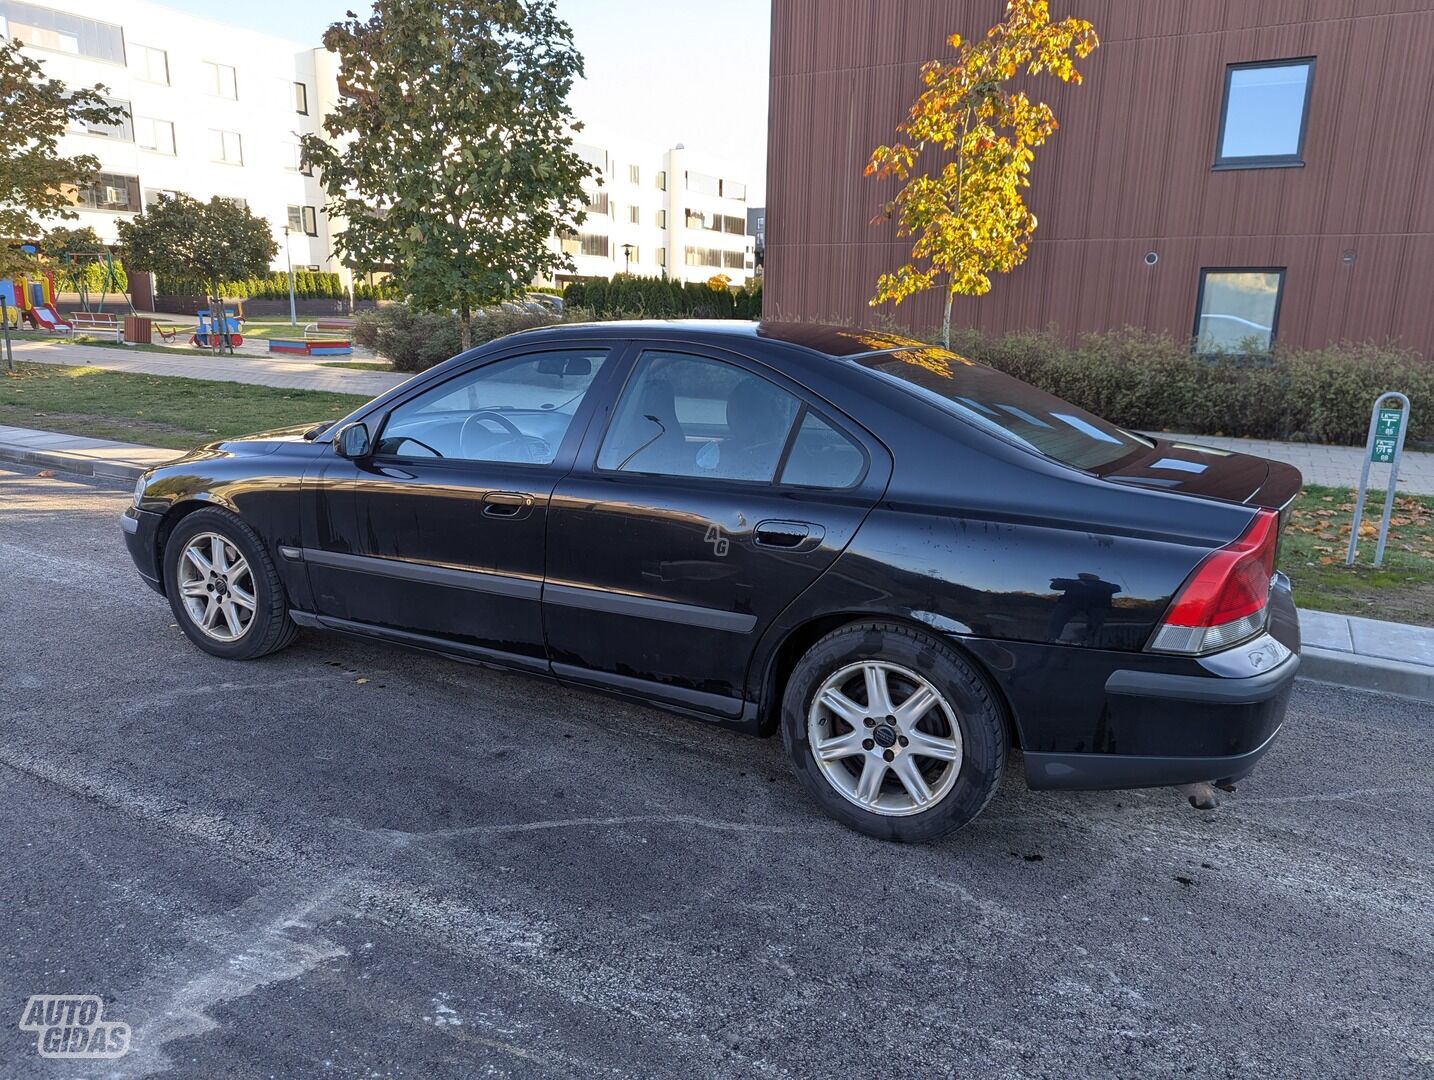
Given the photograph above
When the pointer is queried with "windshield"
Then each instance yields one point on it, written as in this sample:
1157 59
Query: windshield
994 400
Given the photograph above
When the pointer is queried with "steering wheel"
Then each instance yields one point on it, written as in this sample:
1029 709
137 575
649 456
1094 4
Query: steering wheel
477 421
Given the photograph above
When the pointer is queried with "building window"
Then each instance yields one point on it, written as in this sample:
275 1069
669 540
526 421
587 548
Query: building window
662 256
634 215
700 256
662 180
60 31
734 190
310 218
149 64
122 130
662 219
301 98
1263 119
696 219
734 260
734 225
110 191
226 146
595 244
220 80
703 184
1238 309
597 202
595 156
634 174
153 195
154 135
235 200
296 219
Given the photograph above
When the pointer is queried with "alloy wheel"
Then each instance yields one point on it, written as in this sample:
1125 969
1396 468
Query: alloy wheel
885 738
217 587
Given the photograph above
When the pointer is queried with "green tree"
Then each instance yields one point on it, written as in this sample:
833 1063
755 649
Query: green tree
968 215
36 182
449 159
212 244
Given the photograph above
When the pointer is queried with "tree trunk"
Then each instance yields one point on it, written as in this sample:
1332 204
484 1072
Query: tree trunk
946 321
465 327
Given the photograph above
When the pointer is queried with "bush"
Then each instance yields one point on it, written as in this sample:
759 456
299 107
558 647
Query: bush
663 298
1151 382
415 341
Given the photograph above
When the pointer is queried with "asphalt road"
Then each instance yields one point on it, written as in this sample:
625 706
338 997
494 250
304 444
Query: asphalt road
352 861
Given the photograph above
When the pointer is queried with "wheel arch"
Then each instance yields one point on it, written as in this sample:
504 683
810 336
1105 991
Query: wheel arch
798 639
174 515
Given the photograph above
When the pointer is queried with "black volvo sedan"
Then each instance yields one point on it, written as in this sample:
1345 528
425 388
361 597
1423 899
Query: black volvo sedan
906 562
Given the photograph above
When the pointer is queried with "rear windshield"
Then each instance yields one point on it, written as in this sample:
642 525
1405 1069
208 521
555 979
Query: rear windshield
994 400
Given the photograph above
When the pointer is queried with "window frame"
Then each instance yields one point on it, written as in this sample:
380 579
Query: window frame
1264 161
148 51
616 350
309 218
632 363
1206 271
301 96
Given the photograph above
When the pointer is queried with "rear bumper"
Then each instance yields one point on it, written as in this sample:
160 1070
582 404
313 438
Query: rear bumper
141 529
1254 705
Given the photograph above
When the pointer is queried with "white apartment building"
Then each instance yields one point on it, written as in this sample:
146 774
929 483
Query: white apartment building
673 212
215 109
212 110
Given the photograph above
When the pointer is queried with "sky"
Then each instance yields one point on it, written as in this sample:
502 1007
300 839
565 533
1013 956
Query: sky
664 71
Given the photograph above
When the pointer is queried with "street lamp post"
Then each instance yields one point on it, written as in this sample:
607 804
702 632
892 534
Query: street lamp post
289 259
627 258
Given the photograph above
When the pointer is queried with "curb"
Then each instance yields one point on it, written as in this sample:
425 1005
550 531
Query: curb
71 463
1367 673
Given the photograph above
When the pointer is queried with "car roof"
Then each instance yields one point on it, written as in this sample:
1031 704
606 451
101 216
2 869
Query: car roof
820 338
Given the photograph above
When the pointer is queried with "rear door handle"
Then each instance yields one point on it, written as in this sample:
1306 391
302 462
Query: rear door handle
507 504
788 535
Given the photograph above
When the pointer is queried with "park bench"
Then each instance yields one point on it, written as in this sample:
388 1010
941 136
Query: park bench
97 322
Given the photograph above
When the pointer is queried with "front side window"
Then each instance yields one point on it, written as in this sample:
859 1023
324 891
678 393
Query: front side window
514 410
684 415
1237 310
1263 118
1004 405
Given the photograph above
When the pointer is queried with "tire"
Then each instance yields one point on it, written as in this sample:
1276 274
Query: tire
266 628
943 723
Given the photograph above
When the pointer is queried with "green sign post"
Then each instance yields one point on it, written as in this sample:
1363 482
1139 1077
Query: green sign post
1387 428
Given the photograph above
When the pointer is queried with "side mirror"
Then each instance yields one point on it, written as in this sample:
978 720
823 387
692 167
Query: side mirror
352 441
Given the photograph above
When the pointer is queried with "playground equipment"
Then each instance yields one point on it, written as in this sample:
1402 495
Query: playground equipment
74 276
35 300
327 337
210 333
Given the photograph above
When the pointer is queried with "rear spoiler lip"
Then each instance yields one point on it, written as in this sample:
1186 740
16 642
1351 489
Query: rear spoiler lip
1280 488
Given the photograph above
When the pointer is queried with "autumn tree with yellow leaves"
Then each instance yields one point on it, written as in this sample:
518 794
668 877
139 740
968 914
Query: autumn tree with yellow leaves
969 217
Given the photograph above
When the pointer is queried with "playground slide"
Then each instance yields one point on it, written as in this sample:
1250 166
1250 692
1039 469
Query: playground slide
47 318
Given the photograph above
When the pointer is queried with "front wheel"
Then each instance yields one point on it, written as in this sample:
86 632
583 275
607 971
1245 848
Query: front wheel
224 588
894 732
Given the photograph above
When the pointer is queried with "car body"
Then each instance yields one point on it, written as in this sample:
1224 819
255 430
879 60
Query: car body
1038 548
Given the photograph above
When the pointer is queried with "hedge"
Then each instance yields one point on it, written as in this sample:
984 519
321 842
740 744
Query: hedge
658 298
1150 382
415 341
308 285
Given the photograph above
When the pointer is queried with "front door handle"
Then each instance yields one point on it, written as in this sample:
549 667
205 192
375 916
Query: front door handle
788 535
507 504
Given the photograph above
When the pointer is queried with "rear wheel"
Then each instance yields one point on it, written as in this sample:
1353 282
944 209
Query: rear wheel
894 732
224 588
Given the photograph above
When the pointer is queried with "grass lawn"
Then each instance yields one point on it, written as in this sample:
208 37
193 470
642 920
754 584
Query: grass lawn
153 409
1317 537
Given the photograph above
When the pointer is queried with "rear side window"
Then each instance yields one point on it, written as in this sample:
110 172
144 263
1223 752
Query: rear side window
822 457
686 415
1017 410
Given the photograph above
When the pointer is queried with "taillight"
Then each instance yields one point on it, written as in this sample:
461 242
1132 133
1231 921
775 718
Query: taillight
1223 602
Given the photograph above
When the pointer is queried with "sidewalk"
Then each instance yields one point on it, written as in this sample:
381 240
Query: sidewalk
1367 653
1330 466
258 370
1341 649
78 454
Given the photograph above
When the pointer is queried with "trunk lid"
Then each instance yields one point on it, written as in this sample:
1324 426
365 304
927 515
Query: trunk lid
1208 472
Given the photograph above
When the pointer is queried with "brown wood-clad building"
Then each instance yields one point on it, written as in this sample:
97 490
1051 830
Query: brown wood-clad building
1230 168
